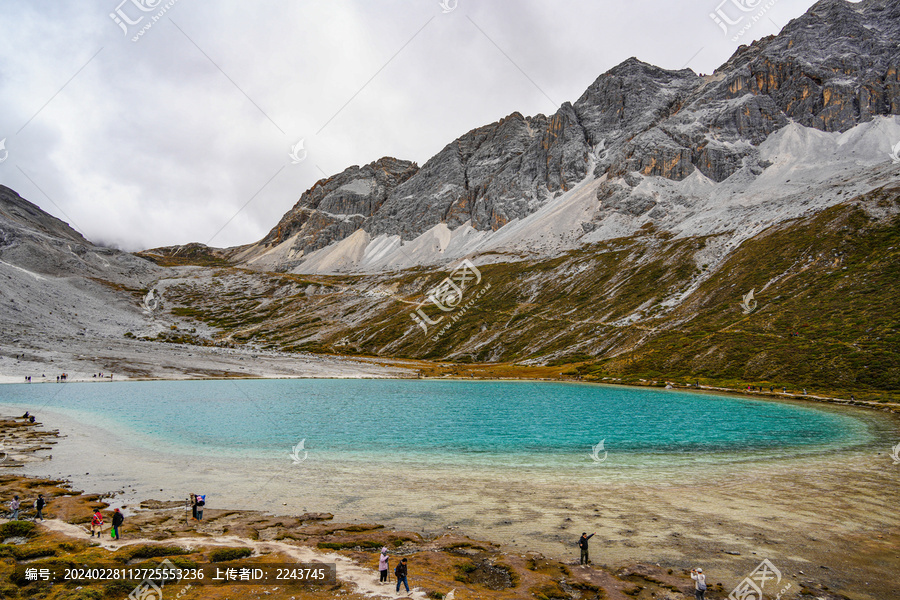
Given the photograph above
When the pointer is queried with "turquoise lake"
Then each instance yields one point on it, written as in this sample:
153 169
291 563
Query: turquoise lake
533 423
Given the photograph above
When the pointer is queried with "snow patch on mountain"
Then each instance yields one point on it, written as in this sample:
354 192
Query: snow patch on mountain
795 171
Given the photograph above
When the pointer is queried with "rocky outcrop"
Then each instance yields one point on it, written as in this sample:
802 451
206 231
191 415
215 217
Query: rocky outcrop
335 207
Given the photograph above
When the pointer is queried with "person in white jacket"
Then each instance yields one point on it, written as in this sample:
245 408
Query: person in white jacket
699 582
383 564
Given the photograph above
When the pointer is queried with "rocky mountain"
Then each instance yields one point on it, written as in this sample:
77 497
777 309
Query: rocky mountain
641 145
37 242
732 228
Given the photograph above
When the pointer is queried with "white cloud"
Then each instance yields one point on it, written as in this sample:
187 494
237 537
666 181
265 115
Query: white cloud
151 144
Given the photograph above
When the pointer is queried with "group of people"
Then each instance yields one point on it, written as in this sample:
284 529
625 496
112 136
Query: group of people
15 506
28 417
696 574
400 571
97 523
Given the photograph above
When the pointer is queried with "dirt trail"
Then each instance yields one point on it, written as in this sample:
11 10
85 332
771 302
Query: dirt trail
363 579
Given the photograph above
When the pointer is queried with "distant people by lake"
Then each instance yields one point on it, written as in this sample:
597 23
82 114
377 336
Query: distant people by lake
96 523
401 573
383 561
14 506
699 582
583 544
117 520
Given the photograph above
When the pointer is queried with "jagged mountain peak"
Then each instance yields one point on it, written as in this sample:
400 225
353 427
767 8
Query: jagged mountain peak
622 150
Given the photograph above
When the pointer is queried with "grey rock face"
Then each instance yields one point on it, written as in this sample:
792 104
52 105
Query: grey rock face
831 69
336 207
38 242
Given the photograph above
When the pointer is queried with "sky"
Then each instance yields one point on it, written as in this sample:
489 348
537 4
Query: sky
147 123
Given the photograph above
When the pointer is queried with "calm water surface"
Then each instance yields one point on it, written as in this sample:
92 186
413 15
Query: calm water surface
534 424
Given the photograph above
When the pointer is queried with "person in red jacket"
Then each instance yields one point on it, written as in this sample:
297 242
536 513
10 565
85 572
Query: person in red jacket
96 523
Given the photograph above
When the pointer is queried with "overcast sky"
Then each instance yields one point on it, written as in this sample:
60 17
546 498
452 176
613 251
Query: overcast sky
185 134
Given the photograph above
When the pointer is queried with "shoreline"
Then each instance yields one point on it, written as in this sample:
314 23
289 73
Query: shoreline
883 406
637 522
728 557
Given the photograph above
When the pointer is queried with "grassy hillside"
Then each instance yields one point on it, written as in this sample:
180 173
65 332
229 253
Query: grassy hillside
646 307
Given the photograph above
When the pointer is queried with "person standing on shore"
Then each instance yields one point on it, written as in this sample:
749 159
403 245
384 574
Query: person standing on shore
699 582
39 504
583 544
400 573
118 518
96 523
14 507
383 565
199 501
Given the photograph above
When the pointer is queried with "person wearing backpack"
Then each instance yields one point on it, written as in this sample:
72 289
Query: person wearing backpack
583 544
39 504
400 573
700 582
96 523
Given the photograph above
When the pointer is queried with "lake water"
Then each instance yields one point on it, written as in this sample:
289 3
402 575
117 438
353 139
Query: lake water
505 461
535 424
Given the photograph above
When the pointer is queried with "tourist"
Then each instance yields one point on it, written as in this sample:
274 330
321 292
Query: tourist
118 517
700 582
197 503
14 507
31 419
583 544
383 564
96 523
25 416
39 504
400 573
